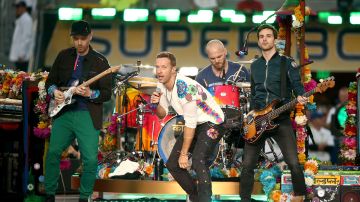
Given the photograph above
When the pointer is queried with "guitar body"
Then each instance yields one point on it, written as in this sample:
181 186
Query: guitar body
256 122
55 108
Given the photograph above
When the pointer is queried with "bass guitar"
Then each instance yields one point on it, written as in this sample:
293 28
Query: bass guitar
258 121
55 108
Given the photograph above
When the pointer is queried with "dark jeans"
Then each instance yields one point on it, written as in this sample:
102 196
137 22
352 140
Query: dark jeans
202 149
285 138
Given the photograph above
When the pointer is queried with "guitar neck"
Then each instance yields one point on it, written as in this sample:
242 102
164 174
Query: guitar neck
275 113
95 78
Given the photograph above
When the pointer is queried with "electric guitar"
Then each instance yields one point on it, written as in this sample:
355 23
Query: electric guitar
258 121
55 108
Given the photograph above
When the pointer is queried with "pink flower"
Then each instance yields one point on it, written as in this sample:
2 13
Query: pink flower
42 133
65 164
350 142
310 85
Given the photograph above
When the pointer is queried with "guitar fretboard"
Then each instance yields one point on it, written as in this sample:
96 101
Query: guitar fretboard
275 113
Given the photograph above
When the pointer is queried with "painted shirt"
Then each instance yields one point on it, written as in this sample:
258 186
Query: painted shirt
193 101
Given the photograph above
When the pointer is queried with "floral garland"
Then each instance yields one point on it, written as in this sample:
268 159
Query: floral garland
108 143
348 146
11 83
311 168
43 128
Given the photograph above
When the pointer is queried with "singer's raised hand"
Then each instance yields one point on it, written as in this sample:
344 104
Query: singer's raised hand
155 97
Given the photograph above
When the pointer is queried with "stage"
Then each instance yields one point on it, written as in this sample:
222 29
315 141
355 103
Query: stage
165 190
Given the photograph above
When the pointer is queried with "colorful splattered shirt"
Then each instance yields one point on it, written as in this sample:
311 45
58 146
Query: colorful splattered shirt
193 101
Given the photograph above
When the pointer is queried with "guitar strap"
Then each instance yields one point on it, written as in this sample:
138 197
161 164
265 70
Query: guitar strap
283 80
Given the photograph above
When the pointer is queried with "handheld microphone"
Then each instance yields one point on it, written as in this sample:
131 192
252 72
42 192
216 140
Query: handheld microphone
154 105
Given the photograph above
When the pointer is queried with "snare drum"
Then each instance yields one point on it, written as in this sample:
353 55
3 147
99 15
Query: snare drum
226 95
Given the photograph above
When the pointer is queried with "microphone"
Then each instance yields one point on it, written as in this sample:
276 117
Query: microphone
244 50
241 53
154 105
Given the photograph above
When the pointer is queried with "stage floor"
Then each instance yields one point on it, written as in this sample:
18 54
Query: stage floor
150 190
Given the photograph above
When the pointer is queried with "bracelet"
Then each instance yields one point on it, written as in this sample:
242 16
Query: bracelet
184 154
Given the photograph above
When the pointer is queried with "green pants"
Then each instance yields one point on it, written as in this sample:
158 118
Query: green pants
67 127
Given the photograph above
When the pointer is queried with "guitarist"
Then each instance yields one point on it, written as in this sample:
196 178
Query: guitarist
83 119
265 87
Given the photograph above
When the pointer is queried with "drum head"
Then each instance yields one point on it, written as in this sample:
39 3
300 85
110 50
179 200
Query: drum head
168 134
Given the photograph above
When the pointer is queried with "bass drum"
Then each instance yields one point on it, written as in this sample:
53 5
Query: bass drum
173 129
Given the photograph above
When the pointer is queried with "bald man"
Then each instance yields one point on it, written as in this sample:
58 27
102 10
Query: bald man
220 69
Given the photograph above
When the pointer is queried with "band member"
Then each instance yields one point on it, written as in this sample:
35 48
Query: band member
202 131
83 119
220 69
265 87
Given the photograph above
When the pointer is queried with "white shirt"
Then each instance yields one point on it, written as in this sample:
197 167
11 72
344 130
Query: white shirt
193 101
322 136
21 46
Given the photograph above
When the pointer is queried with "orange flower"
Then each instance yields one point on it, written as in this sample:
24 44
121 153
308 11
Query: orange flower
233 173
309 165
275 195
311 98
149 169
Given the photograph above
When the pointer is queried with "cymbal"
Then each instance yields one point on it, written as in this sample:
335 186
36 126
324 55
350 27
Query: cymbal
143 82
244 62
138 66
243 84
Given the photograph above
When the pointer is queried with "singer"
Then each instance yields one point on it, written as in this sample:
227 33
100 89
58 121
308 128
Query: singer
266 85
203 126
220 69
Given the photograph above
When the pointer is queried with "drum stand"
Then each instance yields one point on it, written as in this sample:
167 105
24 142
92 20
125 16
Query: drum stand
270 142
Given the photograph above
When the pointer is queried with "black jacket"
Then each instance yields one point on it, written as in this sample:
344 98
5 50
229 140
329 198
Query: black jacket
94 63
265 81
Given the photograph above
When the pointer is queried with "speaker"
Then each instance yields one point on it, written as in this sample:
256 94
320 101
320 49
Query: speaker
350 189
326 193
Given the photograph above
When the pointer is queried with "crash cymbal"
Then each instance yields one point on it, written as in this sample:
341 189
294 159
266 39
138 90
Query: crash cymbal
243 84
143 82
143 70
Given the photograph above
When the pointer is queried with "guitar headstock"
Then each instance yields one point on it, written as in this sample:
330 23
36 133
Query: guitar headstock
114 69
325 84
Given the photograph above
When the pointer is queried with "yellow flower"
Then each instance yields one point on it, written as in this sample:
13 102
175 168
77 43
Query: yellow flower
302 158
311 99
42 125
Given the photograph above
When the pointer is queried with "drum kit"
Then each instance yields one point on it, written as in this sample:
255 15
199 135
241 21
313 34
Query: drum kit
134 86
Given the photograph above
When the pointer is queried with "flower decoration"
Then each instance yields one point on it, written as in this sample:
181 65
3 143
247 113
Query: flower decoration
311 168
299 18
43 128
110 128
347 153
276 195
